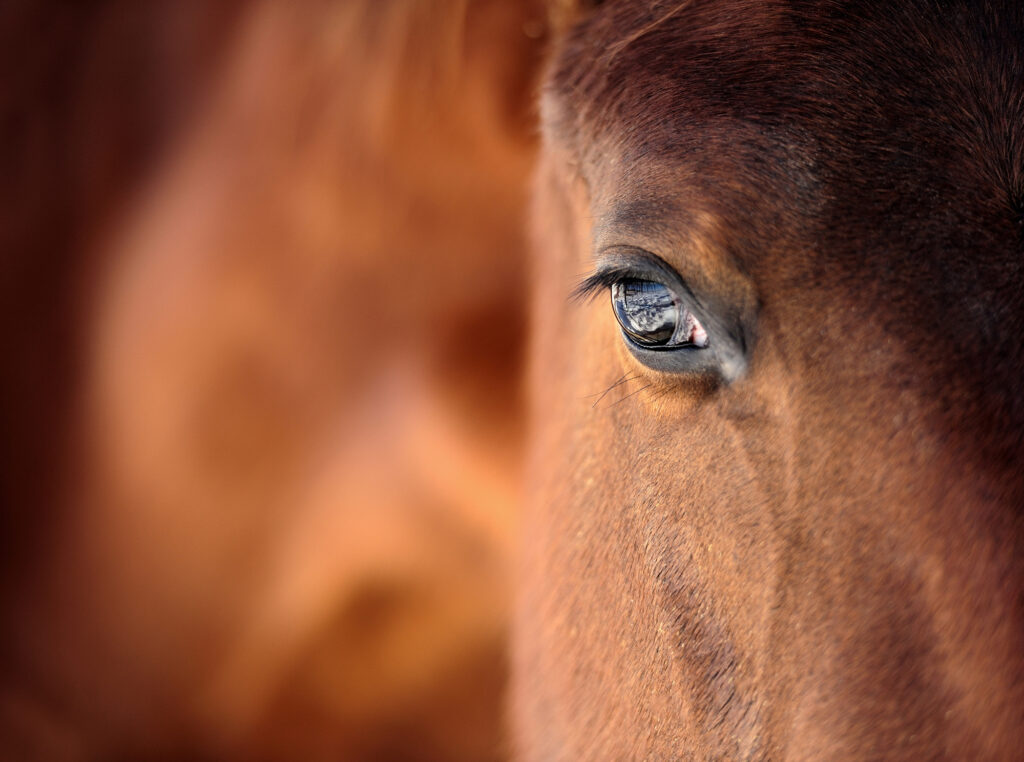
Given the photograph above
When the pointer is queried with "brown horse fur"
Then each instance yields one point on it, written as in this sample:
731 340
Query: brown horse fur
262 272
234 527
820 555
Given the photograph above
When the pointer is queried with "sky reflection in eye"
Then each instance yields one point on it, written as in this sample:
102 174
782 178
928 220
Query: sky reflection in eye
651 315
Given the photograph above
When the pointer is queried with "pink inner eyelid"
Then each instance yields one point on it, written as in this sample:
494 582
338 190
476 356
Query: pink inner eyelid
689 330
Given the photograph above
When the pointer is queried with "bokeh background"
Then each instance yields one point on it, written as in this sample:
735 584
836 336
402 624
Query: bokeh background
264 284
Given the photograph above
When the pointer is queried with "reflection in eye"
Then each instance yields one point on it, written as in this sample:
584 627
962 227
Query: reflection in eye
652 316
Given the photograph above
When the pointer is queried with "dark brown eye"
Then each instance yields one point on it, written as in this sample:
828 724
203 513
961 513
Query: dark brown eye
651 315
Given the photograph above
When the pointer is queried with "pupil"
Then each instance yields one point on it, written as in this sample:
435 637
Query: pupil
646 310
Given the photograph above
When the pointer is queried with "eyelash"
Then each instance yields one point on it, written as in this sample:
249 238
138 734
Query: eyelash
604 279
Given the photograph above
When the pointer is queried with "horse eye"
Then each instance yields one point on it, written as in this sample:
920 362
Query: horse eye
653 317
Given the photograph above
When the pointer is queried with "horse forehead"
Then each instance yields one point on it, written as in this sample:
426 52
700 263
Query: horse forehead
638 111
904 120
644 75
661 62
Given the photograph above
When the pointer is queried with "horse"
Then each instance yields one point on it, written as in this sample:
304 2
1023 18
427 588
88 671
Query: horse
259 485
775 478
774 494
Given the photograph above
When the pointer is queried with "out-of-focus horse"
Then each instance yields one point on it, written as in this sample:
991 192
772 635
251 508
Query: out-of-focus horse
262 277
777 486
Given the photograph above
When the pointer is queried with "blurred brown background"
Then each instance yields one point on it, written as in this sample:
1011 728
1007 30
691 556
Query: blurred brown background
263 292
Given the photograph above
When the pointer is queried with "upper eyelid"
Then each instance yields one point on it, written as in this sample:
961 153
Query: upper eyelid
605 277
623 262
